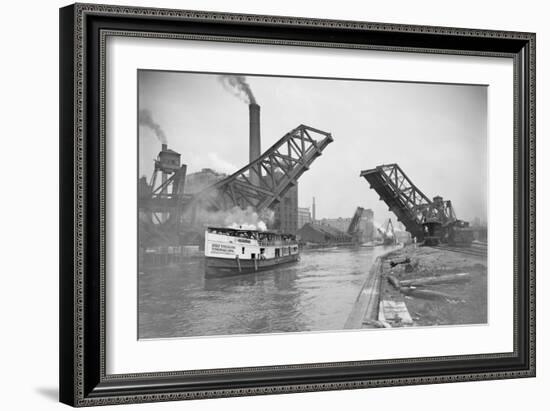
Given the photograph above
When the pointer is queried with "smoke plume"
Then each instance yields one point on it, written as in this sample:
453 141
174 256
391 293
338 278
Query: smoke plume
236 217
238 86
146 119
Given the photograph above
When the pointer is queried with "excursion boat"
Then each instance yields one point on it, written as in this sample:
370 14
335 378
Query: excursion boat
231 251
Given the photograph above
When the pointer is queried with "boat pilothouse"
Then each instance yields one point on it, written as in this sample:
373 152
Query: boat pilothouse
230 251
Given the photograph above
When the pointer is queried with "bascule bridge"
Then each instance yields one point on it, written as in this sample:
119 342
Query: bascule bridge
261 184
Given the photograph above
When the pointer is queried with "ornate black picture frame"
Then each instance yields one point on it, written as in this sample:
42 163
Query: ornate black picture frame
83 30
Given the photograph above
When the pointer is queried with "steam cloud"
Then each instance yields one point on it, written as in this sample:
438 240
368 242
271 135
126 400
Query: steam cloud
238 86
146 119
236 217
219 164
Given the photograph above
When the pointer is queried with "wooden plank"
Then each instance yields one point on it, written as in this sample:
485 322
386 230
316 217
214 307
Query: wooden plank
428 294
394 281
394 312
450 278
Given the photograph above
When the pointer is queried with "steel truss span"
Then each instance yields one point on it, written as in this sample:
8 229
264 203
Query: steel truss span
403 198
262 183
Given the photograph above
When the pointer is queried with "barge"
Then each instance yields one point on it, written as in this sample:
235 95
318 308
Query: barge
230 251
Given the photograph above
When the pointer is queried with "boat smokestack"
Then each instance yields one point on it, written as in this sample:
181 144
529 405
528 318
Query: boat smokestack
255 149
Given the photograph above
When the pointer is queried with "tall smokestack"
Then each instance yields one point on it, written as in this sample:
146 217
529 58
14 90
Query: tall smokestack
313 210
255 149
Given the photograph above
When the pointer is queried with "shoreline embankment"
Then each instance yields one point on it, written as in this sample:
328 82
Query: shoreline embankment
422 286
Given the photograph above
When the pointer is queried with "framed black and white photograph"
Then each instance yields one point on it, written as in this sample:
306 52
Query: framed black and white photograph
253 233
257 204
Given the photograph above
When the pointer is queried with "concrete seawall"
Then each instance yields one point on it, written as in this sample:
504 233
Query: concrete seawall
365 308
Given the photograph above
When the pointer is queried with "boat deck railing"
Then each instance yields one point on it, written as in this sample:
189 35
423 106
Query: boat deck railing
265 243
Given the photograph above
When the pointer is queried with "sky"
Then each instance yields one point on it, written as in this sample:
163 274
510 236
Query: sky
437 133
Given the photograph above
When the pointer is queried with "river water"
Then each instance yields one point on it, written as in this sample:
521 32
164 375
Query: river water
315 294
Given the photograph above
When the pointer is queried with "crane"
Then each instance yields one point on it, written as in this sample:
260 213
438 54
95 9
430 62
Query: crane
388 233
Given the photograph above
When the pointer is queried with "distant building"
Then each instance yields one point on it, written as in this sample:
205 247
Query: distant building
304 216
322 234
144 189
366 225
339 223
198 181
479 228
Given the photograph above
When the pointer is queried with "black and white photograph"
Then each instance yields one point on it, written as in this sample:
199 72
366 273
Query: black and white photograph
271 204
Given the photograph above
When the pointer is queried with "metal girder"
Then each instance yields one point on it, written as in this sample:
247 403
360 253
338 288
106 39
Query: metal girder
403 198
280 167
161 203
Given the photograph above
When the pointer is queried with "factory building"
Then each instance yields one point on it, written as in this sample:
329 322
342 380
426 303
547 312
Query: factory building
286 212
304 216
171 204
367 225
322 234
339 223
365 228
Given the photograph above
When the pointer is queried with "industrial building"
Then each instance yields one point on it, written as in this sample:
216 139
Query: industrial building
178 206
304 216
322 234
340 223
286 211
363 229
